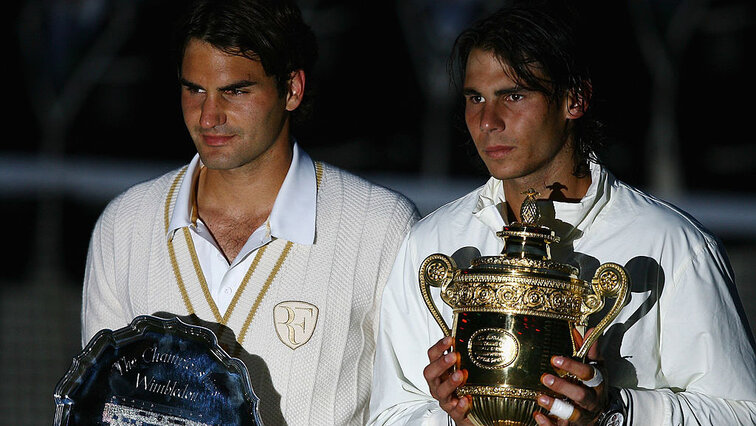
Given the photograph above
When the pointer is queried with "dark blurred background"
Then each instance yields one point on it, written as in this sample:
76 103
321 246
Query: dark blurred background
93 93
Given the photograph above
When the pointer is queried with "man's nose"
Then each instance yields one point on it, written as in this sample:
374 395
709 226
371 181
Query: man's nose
213 113
490 119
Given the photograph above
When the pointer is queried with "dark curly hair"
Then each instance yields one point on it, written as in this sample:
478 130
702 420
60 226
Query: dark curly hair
270 31
539 43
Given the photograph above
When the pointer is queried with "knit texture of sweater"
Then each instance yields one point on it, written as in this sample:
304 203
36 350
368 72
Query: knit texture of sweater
135 268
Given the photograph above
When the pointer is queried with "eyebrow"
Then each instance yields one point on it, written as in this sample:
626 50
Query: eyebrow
233 86
186 83
470 92
237 85
500 92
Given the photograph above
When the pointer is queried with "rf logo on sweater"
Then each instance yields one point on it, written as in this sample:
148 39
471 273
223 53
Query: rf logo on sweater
295 322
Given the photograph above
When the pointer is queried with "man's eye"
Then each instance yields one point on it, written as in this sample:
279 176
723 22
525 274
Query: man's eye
476 99
191 89
515 97
236 92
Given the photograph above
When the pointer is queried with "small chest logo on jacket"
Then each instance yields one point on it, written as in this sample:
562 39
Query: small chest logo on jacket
295 322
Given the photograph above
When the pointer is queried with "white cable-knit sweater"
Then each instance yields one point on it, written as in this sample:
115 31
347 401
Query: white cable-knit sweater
132 269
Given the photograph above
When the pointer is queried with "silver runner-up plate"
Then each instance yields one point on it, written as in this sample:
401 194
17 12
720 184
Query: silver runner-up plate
156 372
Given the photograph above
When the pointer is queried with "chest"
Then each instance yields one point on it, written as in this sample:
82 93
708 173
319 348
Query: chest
231 232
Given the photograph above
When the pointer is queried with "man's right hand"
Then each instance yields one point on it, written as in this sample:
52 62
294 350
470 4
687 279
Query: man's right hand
443 381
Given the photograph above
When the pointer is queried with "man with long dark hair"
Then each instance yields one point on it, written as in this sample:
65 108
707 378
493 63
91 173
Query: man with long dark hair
286 255
678 353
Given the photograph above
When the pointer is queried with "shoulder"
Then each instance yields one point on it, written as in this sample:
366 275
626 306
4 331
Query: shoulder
362 193
449 228
142 195
661 218
452 215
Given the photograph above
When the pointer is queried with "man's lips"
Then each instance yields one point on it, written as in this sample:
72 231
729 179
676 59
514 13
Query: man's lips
498 151
216 140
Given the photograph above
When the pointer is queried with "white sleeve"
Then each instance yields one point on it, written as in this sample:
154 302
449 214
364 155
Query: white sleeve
707 357
400 394
100 307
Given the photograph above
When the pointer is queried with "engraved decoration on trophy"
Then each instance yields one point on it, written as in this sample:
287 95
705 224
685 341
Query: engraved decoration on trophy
513 312
156 371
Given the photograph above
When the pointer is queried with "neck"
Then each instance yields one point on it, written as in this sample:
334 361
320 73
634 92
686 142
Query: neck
563 187
248 190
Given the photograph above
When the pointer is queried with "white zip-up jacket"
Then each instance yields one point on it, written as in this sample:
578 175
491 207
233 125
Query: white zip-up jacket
680 350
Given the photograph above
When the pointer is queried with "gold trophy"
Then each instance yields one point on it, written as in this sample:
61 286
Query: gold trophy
513 312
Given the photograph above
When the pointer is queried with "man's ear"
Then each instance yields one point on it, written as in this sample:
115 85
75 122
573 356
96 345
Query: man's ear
295 91
578 101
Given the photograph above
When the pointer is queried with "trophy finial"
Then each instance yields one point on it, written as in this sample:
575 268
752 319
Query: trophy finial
529 213
527 239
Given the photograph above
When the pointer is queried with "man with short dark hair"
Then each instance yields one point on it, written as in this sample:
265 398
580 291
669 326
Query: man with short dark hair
677 353
284 257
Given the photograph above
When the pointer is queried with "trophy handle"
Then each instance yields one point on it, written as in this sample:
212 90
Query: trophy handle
437 270
610 280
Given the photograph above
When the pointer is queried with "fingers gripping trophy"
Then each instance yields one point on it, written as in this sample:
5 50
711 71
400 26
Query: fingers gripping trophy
513 312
